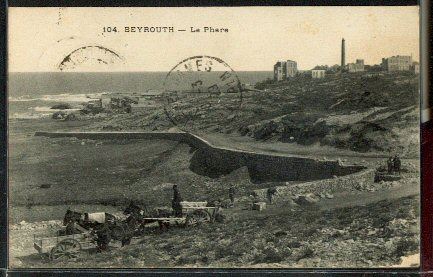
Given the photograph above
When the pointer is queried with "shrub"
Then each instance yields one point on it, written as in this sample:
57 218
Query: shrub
305 252
405 245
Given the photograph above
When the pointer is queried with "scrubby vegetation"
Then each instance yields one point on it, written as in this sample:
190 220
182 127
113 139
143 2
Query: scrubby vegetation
358 112
377 234
361 112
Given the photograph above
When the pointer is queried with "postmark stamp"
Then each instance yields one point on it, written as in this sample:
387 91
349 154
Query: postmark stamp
203 74
92 56
196 78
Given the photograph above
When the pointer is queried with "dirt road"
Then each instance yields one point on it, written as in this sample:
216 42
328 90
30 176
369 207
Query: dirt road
21 235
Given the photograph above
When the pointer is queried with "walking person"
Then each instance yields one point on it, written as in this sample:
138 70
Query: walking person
232 192
270 193
390 164
253 197
175 203
397 164
103 238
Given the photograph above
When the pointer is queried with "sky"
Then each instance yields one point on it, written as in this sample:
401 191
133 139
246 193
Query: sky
40 38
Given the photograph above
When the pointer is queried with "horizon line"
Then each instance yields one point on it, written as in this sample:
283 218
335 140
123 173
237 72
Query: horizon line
144 71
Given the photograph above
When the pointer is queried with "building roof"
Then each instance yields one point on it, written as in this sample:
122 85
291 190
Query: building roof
281 62
399 56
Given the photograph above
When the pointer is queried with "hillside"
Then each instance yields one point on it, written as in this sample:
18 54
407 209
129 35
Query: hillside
348 221
360 112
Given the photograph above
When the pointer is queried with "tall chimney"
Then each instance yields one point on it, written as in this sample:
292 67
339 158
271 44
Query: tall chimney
343 55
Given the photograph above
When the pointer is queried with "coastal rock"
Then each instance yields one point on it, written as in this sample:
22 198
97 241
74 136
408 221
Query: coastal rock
61 106
280 233
329 195
45 186
58 115
62 115
306 199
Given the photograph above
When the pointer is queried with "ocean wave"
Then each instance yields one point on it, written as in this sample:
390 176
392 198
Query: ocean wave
29 115
63 97
49 109
23 98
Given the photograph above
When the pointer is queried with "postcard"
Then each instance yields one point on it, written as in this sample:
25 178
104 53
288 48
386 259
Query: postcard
214 137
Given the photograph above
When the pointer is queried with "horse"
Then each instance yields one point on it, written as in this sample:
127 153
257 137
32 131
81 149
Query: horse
137 214
134 209
123 231
86 220
104 225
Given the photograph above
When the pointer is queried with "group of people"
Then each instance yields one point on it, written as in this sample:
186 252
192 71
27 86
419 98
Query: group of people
394 164
270 192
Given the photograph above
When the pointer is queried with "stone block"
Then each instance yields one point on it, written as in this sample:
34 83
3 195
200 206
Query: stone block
259 206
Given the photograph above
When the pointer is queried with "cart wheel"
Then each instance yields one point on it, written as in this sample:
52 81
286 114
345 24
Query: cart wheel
197 217
117 232
66 249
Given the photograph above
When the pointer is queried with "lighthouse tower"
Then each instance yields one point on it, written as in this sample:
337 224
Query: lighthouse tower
343 55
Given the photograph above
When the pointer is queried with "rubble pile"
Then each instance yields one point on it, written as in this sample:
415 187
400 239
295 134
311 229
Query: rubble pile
23 225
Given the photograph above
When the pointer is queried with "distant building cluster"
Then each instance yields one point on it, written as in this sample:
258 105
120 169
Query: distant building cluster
285 69
356 67
400 63
318 73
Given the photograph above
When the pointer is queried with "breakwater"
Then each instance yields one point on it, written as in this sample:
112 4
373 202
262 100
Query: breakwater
213 161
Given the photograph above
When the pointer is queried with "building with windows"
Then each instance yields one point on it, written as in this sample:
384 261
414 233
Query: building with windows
278 71
291 68
285 69
397 63
415 67
356 67
317 73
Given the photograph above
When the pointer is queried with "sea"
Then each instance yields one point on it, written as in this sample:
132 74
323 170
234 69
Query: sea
36 160
31 95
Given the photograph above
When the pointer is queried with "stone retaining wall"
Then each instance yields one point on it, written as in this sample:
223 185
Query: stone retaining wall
354 182
214 162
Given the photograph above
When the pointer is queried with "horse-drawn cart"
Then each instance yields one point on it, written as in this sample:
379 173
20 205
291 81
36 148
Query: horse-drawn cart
193 213
198 212
64 247
99 234
69 242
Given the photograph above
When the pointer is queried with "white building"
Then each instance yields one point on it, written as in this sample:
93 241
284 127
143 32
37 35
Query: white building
285 69
356 67
415 67
318 73
397 63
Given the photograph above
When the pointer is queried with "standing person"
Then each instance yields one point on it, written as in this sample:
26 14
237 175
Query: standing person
103 238
253 198
175 203
270 193
232 192
390 164
397 164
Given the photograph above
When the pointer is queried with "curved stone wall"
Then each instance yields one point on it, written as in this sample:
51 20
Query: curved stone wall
214 162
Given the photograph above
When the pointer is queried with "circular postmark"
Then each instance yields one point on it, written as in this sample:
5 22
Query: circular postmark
90 57
197 86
